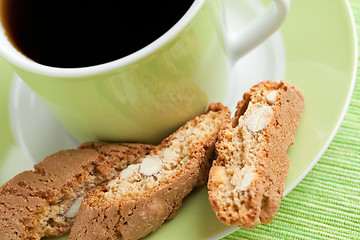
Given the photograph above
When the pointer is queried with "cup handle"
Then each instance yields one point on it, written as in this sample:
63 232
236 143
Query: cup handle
240 43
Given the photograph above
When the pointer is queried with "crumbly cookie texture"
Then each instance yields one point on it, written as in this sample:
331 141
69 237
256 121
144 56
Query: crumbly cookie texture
246 182
138 200
45 201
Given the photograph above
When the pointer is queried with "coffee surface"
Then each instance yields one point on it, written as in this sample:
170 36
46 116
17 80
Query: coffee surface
80 33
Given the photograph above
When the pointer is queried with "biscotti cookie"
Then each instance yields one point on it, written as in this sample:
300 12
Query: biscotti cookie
139 199
44 202
246 182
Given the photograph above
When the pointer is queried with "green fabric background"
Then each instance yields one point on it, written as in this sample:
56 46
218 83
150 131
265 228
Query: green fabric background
326 203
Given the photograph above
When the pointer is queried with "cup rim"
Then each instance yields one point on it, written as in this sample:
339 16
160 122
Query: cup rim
32 66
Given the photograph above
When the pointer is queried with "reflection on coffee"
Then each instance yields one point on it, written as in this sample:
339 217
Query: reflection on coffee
80 33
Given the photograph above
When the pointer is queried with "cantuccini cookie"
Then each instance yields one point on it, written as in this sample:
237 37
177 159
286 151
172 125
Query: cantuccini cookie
246 182
45 201
137 201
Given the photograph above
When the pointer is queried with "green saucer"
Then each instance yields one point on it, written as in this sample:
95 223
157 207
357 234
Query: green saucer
321 58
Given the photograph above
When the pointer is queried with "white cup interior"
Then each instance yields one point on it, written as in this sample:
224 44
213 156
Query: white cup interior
8 48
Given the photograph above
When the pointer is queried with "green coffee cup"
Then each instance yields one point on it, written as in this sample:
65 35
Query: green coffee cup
148 94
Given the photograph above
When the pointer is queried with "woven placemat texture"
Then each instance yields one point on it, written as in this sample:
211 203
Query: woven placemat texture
326 203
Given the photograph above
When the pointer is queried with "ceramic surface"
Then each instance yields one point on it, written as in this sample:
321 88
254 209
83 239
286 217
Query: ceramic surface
145 96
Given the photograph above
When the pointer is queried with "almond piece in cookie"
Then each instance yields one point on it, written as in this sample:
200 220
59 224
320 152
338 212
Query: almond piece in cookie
259 118
150 166
45 202
246 182
137 202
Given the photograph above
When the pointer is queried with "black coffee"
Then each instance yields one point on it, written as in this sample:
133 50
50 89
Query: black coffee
79 33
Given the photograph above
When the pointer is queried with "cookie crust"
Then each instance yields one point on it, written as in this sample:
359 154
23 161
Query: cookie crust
36 203
132 206
246 182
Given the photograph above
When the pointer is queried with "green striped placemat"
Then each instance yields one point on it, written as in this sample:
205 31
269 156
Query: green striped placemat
326 203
